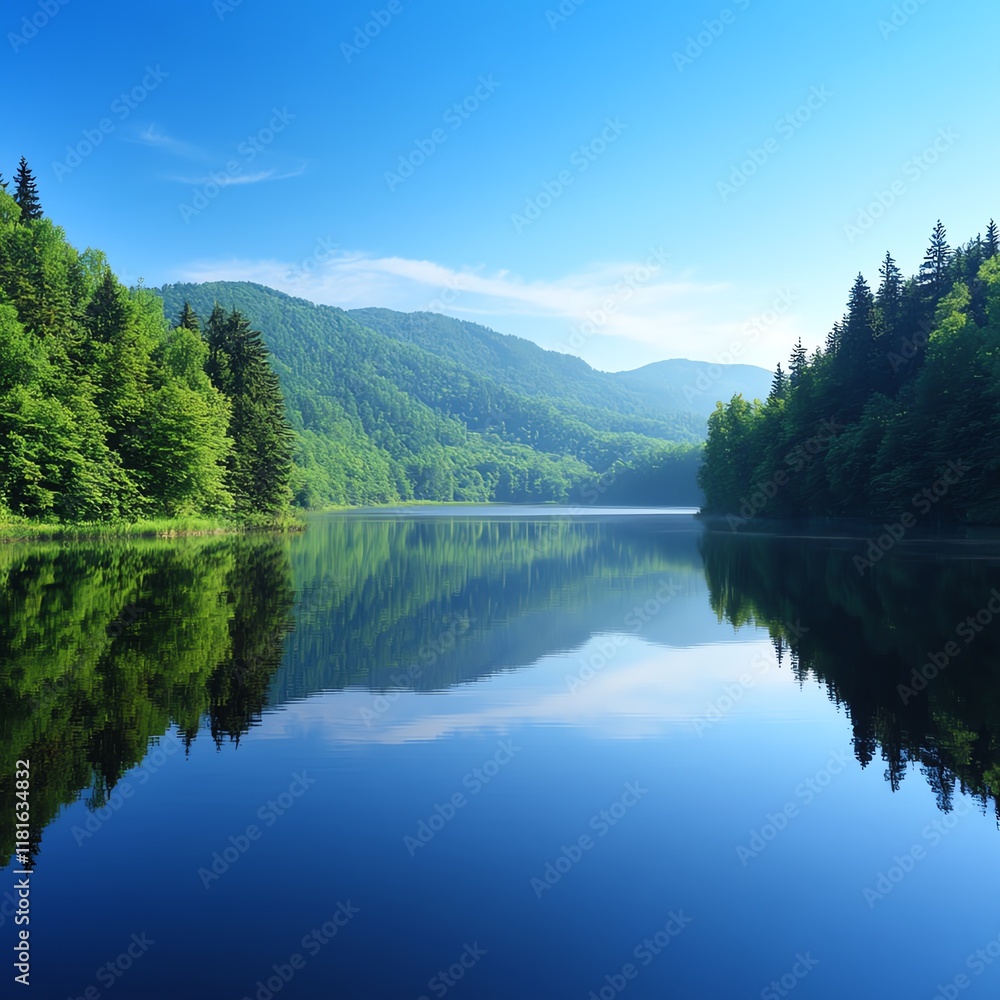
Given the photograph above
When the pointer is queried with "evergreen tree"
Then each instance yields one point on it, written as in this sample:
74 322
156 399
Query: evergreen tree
991 245
189 319
797 364
260 464
26 194
934 269
778 384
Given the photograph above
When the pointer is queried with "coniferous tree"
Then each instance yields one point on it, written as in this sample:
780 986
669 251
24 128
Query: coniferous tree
778 384
797 364
189 319
934 269
260 463
991 245
26 193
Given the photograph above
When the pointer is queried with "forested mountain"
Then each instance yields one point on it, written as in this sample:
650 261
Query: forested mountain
897 416
694 386
439 410
106 412
668 391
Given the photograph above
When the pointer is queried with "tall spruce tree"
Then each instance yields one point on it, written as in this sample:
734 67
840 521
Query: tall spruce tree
260 464
189 319
26 193
778 384
934 269
991 245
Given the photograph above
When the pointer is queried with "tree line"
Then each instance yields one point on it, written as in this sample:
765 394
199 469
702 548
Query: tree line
110 412
896 415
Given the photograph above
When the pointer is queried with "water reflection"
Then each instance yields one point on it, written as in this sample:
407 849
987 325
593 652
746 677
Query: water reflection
910 648
103 648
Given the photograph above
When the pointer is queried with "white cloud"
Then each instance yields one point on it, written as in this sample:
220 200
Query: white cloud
642 306
155 139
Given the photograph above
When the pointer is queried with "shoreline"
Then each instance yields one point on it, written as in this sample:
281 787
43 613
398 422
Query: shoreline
184 527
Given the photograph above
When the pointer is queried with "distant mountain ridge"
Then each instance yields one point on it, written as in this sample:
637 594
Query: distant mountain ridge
415 406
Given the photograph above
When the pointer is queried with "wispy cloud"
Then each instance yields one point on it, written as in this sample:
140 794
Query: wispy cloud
152 137
613 313
230 180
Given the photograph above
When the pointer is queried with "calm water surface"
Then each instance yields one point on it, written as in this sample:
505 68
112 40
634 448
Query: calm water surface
492 754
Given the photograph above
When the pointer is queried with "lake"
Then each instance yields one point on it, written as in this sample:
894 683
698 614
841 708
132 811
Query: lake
495 753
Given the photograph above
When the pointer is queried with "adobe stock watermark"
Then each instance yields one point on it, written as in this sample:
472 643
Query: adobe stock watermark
786 127
735 691
563 12
977 962
796 459
30 27
967 630
623 291
779 988
899 17
406 681
912 170
473 782
711 31
323 253
121 107
313 943
365 34
268 814
126 788
224 7
125 618
608 645
601 823
454 118
644 953
904 864
109 974
923 502
439 985
752 330
805 794
580 160
249 149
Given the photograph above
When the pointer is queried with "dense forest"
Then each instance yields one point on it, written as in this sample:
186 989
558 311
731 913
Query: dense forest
897 416
107 412
128 404
401 409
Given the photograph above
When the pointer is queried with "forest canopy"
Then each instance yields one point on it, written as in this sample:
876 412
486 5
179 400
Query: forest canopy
896 416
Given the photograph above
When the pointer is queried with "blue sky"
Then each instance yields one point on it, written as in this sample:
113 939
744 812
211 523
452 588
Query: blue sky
627 182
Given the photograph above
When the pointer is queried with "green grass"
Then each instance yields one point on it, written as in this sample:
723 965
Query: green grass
18 529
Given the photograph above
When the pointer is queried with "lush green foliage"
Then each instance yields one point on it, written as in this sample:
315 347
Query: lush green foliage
897 416
403 411
107 413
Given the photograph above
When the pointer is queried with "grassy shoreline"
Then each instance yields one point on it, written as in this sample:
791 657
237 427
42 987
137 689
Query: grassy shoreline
177 527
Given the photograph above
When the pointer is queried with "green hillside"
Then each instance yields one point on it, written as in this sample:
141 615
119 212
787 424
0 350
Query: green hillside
694 386
381 417
672 392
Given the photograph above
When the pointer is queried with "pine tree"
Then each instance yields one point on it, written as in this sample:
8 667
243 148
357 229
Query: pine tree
3 183
891 288
934 269
260 464
189 319
797 365
779 384
991 245
27 193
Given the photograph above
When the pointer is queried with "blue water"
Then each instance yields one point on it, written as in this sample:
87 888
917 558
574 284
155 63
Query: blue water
649 804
